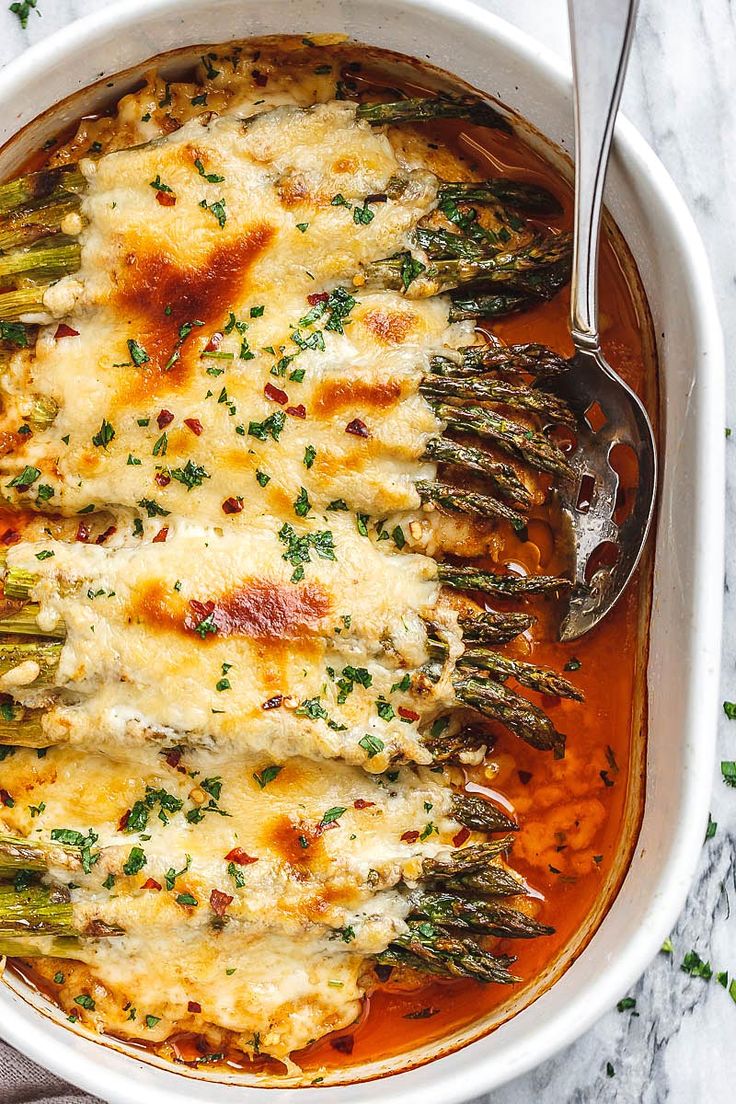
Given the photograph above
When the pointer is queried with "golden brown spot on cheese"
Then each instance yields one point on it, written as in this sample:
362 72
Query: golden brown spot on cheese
297 843
391 327
258 610
345 165
152 283
293 189
334 395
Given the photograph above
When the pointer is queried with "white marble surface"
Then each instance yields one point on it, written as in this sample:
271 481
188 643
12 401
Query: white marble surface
681 94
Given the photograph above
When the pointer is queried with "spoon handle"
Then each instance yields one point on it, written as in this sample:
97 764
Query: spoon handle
601 32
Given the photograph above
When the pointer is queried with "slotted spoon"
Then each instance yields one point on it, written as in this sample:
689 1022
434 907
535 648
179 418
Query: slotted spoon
609 414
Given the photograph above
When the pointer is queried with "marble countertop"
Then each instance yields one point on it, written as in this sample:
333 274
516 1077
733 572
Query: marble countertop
680 93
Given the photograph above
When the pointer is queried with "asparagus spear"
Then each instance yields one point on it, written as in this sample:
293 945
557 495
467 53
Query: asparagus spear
538 270
451 748
24 227
20 854
530 359
482 305
522 718
14 305
501 476
471 578
542 679
468 502
21 727
493 881
24 621
35 910
445 107
428 949
510 436
511 193
44 653
494 628
39 946
48 258
466 860
481 815
542 403
478 915
441 244
41 187
18 583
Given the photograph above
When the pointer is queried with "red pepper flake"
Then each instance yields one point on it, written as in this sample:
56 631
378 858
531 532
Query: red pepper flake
82 532
173 757
109 532
219 902
357 428
343 1045
123 822
239 857
459 839
525 777
361 803
10 536
6 799
194 424
214 343
317 297
232 505
166 199
259 79
407 714
299 411
151 883
162 478
410 837
194 1006
275 394
161 535
274 702
62 330
165 417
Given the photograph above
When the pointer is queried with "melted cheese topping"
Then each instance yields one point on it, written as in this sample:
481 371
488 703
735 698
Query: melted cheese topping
313 862
225 376
294 668
196 322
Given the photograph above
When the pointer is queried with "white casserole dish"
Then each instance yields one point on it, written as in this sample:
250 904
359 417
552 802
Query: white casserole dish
685 628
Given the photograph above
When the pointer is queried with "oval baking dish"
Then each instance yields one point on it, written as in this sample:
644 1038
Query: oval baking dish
590 973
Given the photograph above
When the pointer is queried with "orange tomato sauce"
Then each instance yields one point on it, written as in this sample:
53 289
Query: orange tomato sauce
571 811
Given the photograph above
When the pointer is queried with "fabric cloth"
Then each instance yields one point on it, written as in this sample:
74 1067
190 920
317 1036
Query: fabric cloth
23 1082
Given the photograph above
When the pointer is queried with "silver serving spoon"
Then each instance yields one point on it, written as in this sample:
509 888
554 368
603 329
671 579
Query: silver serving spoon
608 412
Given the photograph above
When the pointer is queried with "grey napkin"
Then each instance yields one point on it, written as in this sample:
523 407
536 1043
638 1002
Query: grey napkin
23 1082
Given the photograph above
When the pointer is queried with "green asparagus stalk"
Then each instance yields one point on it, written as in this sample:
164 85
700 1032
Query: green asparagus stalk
443 244
510 193
547 406
21 727
493 881
48 258
466 860
41 187
538 270
542 679
482 305
494 628
477 915
468 502
35 910
24 621
512 437
452 747
428 949
19 583
23 228
20 854
502 477
481 815
528 359
40 946
469 108
44 653
15 305
522 718
471 578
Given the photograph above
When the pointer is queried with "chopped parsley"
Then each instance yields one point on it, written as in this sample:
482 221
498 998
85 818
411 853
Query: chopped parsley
211 178
191 475
267 775
371 745
137 353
